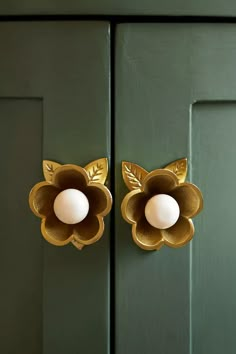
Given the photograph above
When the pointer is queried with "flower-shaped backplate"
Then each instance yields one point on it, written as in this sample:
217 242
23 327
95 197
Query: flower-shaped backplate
143 186
89 180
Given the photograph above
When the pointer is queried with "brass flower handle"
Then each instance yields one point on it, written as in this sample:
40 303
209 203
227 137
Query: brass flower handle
160 205
72 202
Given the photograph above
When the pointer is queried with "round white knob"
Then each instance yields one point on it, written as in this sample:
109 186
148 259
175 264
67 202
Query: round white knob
162 211
71 206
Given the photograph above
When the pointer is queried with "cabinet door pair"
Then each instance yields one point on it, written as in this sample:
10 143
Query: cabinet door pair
175 96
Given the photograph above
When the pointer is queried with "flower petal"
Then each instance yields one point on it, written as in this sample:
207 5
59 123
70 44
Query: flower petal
133 205
160 181
70 176
179 234
89 230
146 236
100 199
42 197
189 198
55 231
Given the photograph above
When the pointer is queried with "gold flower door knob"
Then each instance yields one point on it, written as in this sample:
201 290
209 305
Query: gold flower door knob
160 205
72 202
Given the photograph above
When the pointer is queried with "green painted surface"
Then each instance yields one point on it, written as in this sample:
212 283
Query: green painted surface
162 70
213 256
21 247
66 66
120 7
175 97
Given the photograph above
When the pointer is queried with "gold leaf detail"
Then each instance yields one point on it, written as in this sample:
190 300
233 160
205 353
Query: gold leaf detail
180 168
97 170
48 169
133 175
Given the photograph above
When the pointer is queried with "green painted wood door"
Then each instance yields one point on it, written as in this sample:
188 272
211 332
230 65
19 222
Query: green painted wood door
53 300
175 88
176 97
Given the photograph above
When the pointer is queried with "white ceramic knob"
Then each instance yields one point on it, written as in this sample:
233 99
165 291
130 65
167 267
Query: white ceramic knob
162 211
71 206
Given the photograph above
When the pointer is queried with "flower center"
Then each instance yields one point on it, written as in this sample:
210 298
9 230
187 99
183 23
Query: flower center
162 211
71 206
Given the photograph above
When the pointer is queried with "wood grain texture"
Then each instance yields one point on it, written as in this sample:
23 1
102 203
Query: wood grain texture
66 65
119 7
162 70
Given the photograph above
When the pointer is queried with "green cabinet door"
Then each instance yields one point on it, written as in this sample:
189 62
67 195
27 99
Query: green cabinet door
176 97
175 88
54 104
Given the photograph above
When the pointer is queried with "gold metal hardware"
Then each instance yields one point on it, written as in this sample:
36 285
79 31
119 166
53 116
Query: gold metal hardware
144 185
90 181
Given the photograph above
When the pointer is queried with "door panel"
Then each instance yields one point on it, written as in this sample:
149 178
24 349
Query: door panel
119 7
54 87
213 257
21 249
175 97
